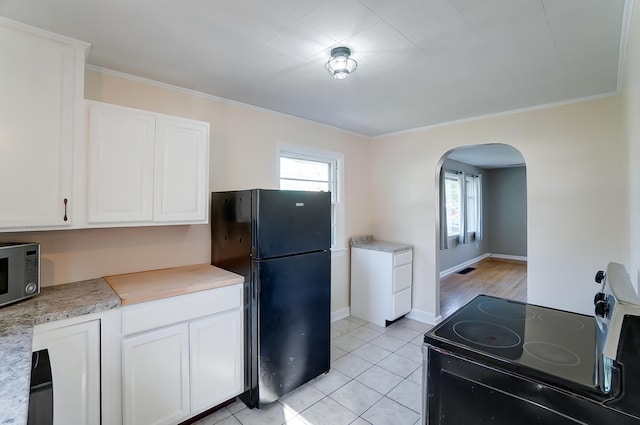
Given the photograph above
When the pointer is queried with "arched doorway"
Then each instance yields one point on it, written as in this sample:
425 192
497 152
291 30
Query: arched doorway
482 231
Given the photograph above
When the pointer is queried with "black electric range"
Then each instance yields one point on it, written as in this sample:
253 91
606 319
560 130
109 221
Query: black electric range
502 362
551 344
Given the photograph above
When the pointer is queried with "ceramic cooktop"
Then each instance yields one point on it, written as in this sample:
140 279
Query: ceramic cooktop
535 340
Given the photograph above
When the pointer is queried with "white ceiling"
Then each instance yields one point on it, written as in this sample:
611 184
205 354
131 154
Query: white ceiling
494 155
421 62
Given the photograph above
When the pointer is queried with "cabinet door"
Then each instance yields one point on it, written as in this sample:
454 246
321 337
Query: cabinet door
37 107
371 285
121 164
216 359
182 171
155 376
74 352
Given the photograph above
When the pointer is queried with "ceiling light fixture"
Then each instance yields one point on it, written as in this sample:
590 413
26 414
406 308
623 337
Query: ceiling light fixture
340 65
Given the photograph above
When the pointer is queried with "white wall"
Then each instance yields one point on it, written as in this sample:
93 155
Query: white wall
577 196
243 155
631 96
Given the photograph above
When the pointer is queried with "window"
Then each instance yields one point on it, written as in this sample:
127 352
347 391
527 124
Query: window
462 206
304 174
310 169
453 194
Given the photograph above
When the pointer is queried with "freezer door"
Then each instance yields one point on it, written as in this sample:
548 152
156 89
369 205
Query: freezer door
289 222
231 231
294 303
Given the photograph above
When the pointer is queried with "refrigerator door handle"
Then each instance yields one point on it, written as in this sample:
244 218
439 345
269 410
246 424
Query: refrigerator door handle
254 285
254 238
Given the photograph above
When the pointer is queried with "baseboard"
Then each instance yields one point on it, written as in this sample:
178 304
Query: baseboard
424 317
466 264
509 257
452 270
340 314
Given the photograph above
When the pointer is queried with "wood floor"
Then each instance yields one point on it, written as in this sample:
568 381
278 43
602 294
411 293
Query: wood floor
492 276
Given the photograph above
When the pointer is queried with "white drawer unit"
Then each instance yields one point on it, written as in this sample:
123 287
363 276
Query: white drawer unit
380 284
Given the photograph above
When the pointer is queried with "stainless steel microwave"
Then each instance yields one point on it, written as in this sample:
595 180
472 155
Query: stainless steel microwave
19 271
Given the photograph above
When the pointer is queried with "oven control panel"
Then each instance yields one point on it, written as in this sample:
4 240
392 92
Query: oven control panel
620 300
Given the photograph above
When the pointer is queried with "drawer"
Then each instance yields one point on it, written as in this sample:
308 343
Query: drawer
402 258
401 277
401 304
156 314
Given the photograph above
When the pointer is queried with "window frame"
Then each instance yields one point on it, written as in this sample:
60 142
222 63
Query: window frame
454 175
463 178
336 159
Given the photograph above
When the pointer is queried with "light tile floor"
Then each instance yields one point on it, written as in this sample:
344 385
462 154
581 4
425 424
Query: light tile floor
375 379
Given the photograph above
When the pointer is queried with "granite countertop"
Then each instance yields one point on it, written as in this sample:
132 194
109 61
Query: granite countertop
77 299
16 334
367 242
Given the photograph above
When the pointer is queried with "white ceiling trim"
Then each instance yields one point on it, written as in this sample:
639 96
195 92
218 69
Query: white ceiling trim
196 93
501 114
48 34
293 117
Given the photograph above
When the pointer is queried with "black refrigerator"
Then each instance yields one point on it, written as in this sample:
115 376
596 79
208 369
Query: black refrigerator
279 240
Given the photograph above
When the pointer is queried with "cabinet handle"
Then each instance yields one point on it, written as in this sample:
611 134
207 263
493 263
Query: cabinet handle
65 209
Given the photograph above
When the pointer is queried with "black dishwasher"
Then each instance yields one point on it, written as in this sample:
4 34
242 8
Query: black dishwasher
41 393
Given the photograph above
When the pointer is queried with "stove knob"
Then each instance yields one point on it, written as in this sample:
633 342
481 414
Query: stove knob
602 308
600 276
600 296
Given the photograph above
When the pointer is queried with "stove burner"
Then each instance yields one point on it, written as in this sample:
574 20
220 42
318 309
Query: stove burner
561 321
486 334
550 353
506 310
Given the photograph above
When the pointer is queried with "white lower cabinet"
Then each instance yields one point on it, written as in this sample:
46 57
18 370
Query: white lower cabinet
74 352
185 363
216 360
156 376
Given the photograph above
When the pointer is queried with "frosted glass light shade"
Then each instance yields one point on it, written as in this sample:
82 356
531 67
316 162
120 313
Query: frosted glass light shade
340 65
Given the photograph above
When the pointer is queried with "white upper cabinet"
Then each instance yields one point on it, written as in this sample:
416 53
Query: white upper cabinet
41 81
146 168
182 170
135 168
121 157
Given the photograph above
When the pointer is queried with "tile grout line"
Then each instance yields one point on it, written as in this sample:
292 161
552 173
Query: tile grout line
353 326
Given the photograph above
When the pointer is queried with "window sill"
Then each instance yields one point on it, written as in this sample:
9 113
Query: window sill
471 236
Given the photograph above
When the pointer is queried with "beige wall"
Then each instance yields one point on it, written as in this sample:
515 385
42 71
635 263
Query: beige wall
631 96
243 155
577 196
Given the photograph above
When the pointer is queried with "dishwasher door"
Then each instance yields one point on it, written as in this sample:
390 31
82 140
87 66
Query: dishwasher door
41 393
